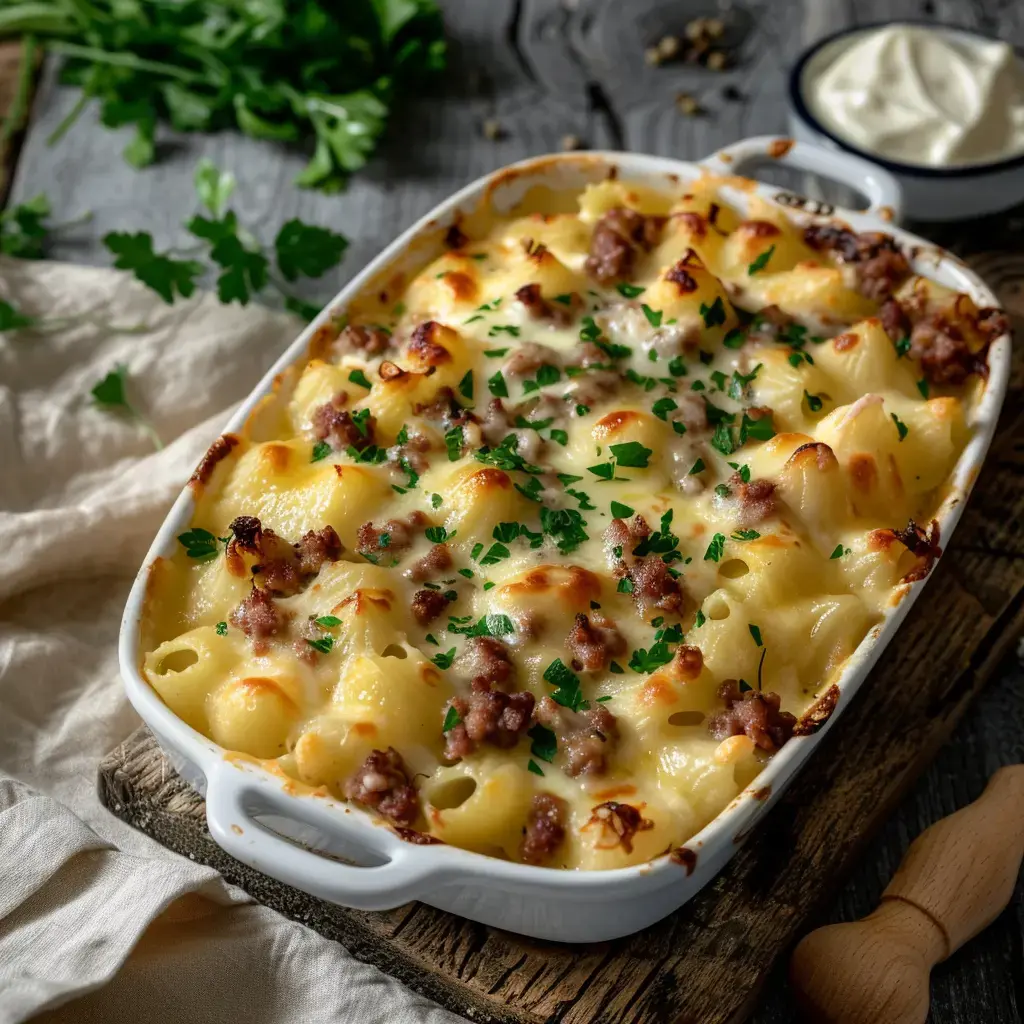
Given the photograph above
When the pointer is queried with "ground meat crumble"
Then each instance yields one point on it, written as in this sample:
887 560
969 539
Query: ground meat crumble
585 738
383 783
751 713
545 828
487 716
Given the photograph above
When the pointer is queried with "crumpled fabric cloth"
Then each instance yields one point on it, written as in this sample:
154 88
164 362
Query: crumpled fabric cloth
97 921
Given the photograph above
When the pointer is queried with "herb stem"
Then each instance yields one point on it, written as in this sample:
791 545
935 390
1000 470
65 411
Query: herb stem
72 116
126 60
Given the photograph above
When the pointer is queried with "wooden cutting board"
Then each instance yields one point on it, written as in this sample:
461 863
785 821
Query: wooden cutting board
704 964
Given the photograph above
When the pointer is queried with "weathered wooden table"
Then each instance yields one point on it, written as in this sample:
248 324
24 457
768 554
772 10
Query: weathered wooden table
545 70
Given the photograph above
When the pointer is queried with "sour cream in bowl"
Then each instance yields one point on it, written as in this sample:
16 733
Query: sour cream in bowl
941 108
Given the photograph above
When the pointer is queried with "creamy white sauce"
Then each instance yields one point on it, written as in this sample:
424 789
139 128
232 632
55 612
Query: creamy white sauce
922 96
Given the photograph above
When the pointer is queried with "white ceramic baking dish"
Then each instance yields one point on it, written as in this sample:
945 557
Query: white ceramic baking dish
261 819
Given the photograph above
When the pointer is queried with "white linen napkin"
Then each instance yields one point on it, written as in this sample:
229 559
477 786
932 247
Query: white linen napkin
97 921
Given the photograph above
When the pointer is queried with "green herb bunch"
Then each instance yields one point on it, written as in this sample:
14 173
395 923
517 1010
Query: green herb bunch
284 70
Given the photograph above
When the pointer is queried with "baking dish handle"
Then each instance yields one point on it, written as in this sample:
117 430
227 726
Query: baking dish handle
233 796
885 198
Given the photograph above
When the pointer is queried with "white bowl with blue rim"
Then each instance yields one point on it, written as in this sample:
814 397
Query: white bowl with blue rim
958 192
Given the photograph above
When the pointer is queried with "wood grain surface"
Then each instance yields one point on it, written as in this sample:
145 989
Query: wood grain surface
546 69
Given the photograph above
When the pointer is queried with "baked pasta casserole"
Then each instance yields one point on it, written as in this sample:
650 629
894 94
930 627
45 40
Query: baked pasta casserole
553 541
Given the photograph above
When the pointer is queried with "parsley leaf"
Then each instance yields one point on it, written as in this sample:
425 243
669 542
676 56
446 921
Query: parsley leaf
922 386
12 320
443 660
497 386
567 683
437 534
813 401
305 250
620 511
199 544
629 291
111 394
839 551
532 766
466 386
566 526
222 629
902 347
715 549
321 450
545 744
453 442
755 632
166 276
713 315
451 718
735 338
631 453
761 262
645 661
901 428
697 467
745 535
653 315
328 621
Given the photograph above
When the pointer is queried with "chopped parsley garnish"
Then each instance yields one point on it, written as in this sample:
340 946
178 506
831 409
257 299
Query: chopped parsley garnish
677 367
699 619
761 262
698 385
466 386
328 621
661 542
631 453
361 418
744 471
320 451
495 553
582 410
222 629
922 386
435 500
607 697
473 319
532 766
403 435
531 490
509 329
489 307
497 386
719 379
629 291
468 573
438 534
723 490
759 430
901 428
745 687
713 315
567 684
679 428
358 377
589 331
566 526
544 744
745 535
453 442
495 353
560 437
565 479
722 439
451 718
716 548
489 625
663 406
620 511
371 454
813 401
564 299
199 544
653 315
625 585
444 660
755 632
734 338
697 467
322 644
644 661
839 551
902 347
742 381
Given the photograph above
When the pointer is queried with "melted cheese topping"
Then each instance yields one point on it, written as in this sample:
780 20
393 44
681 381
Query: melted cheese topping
771 470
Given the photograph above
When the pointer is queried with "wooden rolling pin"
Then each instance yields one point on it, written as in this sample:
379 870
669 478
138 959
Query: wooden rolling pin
955 879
